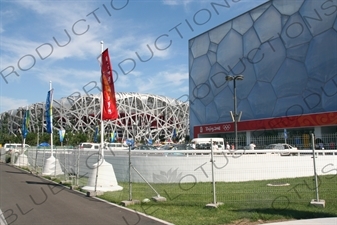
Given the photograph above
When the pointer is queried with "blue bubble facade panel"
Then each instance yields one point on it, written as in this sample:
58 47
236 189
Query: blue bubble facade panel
285 49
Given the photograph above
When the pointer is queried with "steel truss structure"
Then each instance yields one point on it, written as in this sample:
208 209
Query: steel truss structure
142 116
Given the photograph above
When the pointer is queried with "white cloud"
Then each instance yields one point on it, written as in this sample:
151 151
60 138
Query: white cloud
177 2
73 66
60 10
147 49
70 80
61 18
7 103
164 82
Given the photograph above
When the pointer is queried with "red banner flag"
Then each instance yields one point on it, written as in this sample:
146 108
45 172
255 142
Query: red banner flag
109 110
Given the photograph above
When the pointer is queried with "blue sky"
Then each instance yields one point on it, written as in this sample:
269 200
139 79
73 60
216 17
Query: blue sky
59 41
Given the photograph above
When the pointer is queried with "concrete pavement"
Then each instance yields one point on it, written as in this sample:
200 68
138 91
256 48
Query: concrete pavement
28 199
319 221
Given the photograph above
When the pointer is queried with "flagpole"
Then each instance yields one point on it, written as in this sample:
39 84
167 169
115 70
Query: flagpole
102 124
22 159
100 160
103 170
52 165
51 132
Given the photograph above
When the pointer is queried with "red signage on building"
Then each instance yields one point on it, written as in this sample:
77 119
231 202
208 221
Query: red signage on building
310 120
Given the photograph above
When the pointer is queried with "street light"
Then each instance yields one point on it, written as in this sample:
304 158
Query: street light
235 117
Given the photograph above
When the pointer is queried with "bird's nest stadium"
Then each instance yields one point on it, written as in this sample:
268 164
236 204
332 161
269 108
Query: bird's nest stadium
142 116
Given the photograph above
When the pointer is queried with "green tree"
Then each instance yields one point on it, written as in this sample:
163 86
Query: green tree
31 139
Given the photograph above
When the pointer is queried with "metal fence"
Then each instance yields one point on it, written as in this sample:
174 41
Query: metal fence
185 177
303 141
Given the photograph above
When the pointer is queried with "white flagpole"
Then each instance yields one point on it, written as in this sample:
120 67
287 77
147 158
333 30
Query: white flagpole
51 120
52 165
102 124
100 162
107 181
22 159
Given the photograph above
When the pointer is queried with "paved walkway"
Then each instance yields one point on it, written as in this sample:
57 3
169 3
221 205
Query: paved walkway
27 199
320 221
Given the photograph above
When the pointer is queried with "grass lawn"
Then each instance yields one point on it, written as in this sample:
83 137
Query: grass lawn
246 203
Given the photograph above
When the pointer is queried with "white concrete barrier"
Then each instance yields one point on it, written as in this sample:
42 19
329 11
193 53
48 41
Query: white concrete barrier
195 166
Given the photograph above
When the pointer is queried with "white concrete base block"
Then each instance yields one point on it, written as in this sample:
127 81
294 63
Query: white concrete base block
52 167
159 199
320 203
106 178
214 205
21 161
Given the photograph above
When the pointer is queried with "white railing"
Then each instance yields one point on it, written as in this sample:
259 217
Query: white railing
193 164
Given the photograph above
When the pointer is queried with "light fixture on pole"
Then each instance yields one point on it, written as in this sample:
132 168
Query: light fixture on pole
236 117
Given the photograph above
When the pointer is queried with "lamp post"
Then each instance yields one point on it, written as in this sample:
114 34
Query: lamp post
235 117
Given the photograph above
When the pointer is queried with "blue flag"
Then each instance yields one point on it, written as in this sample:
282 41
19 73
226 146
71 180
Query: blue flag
62 133
174 133
25 124
96 134
49 112
113 137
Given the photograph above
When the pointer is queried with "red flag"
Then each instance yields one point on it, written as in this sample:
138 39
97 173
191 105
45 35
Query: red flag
108 90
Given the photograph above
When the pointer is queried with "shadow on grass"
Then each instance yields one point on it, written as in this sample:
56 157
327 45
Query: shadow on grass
288 213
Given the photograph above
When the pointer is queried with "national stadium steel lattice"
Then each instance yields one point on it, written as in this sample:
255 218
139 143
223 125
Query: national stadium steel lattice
144 116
